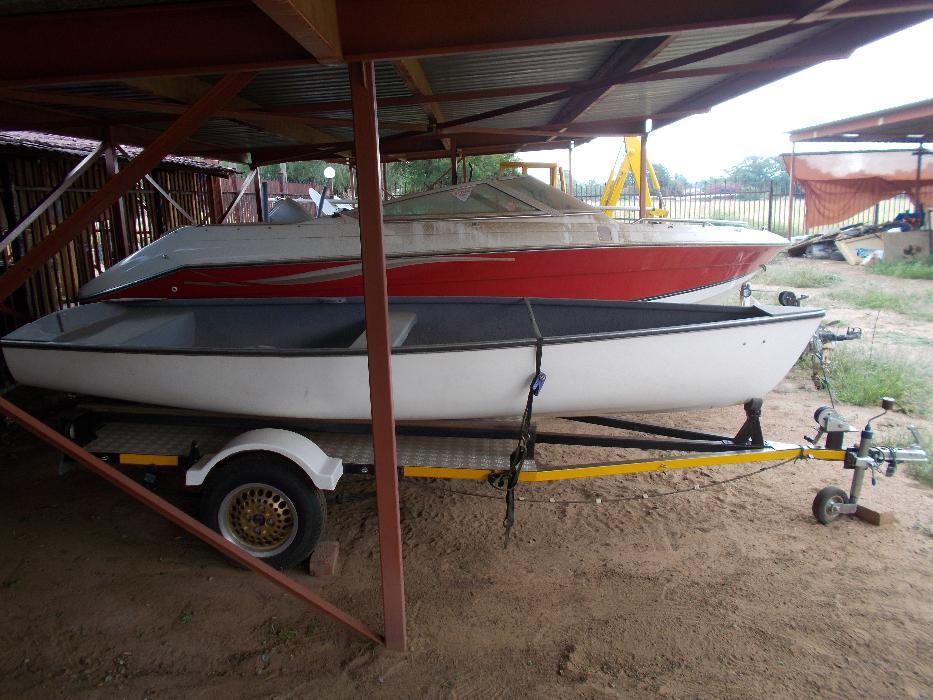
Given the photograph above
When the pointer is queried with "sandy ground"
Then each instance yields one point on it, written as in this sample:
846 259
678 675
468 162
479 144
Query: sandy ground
732 591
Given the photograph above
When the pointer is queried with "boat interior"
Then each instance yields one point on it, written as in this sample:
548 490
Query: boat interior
338 325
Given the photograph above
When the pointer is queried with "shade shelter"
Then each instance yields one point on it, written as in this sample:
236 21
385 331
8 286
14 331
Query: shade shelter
842 183
362 80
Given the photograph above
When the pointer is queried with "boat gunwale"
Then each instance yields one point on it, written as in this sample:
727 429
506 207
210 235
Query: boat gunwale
803 314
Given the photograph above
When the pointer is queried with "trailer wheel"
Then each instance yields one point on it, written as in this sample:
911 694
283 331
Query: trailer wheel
824 501
261 503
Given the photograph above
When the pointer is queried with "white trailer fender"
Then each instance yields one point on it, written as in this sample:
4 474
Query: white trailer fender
324 471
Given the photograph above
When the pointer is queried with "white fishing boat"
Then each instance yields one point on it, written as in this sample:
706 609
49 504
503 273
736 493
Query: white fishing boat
511 237
451 359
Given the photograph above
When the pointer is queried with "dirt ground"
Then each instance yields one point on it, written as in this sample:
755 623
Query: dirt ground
732 591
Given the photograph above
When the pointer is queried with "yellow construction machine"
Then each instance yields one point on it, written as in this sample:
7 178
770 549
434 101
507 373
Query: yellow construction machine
556 172
631 163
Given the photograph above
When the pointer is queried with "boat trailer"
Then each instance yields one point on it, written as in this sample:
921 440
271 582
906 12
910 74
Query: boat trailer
206 446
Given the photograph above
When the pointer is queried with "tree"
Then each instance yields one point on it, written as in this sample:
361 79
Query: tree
418 175
755 171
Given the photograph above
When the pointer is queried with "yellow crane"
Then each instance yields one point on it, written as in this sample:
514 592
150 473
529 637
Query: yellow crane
631 163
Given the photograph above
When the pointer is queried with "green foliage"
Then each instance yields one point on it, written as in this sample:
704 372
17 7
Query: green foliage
861 375
755 170
672 184
419 175
309 171
921 471
916 269
918 306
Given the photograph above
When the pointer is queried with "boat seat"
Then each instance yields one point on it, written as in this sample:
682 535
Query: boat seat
400 325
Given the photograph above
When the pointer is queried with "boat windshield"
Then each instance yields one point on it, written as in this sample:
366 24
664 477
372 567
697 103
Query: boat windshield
467 200
528 187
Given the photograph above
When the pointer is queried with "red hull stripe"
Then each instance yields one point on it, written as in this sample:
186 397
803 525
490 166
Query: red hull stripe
618 274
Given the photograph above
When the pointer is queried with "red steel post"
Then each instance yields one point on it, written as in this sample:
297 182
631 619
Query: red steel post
182 519
375 297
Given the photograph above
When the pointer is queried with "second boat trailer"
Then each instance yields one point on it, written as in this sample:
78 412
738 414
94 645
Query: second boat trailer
262 480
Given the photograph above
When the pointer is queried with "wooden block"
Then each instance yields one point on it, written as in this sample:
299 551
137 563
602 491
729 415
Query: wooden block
874 517
323 560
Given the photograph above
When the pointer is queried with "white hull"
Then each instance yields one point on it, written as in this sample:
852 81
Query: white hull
693 368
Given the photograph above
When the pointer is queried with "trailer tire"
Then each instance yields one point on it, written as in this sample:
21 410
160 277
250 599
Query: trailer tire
823 503
262 503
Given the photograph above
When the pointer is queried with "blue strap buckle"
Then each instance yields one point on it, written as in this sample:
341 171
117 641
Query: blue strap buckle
538 384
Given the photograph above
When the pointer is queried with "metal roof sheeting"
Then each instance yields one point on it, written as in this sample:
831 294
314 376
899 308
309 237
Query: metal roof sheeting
580 51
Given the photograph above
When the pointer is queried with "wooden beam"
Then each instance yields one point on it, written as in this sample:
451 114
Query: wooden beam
151 156
312 23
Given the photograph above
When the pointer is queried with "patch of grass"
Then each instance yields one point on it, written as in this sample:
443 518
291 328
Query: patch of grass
916 269
861 377
921 471
799 277
919 306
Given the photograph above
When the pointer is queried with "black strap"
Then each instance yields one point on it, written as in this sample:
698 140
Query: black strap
517 458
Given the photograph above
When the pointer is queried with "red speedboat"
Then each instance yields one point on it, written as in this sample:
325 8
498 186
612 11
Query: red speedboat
507 237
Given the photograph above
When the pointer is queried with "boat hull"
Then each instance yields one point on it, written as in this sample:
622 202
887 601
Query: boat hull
690 273
676 368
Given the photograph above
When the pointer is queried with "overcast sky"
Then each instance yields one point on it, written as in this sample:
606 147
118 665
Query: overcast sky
893 71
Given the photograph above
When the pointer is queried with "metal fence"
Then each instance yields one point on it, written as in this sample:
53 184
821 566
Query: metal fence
764 205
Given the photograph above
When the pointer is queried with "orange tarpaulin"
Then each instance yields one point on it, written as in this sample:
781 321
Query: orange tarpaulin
840 185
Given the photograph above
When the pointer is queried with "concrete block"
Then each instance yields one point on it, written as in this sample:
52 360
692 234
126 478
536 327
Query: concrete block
875 517
323 560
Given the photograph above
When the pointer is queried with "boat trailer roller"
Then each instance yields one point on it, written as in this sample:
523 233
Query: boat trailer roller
260 477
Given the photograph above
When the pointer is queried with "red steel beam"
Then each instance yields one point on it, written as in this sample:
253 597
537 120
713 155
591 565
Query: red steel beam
182 519
191 38
378 349
313 25
888 119
375 29
135 170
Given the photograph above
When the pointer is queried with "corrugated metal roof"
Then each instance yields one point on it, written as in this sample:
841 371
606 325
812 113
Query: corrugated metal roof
691 31
689 42
277 88
552 64
642 99
759 52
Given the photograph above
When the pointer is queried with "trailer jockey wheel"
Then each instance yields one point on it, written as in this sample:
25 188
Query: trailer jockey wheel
263 504
788 298
824 504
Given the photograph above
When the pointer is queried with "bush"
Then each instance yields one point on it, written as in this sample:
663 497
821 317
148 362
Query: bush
861 377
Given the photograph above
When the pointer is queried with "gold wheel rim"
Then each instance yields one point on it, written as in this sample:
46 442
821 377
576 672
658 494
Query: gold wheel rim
259 518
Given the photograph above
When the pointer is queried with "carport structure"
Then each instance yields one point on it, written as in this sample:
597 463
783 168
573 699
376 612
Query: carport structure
843 183
362 80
